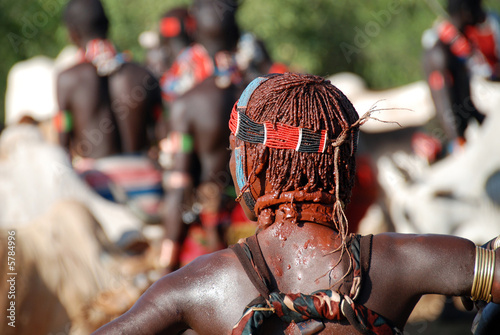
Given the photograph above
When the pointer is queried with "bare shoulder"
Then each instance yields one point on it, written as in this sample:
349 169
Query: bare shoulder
134 79
219 283
205 109
134 71
214 273
208 98
74 74
209 293
72 80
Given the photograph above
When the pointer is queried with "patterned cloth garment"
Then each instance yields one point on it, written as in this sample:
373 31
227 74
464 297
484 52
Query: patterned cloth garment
130 178
309 311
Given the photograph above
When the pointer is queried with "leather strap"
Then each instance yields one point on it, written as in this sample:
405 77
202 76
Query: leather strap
260 277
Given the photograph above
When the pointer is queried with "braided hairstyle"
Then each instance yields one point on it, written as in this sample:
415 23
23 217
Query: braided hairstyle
310 102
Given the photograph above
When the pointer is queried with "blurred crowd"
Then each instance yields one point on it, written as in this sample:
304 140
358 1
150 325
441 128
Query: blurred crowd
124 171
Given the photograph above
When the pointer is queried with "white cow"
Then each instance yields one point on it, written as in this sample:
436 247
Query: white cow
451 196
405 106
35 174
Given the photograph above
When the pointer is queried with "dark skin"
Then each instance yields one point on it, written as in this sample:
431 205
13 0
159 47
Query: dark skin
210 294
203 113
216 27
452 101
111 115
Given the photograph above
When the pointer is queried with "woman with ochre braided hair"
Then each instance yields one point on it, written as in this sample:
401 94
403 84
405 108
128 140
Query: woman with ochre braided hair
293 141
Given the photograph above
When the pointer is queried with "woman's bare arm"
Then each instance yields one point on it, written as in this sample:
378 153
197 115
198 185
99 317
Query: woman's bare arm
208 295
158 311
406 266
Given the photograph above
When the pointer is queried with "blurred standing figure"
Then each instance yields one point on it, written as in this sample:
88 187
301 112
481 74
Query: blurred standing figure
107 108
466 43
195 152
200 87
187 63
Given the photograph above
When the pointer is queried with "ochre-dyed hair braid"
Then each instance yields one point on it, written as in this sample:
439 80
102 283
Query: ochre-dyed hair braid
309 102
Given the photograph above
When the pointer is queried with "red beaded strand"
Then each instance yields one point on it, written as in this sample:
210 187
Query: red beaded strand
277 135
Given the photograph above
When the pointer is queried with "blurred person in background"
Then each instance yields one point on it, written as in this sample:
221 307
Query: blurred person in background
200 87
194 155
108 110
464 44
187 63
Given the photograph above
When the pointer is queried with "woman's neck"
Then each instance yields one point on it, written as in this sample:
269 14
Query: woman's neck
298 213
301 256
285 230
296 207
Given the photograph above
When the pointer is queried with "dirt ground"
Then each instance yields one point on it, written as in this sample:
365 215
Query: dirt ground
436 315
439 327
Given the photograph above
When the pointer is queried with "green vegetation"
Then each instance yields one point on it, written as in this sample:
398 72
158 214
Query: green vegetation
379 40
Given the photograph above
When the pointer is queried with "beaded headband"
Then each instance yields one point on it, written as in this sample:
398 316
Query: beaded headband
283 136
278 135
